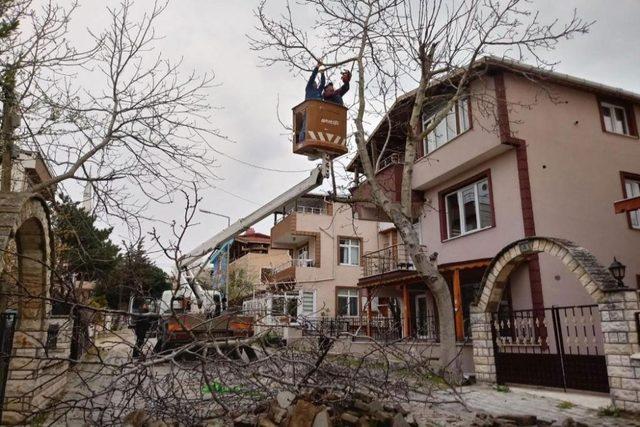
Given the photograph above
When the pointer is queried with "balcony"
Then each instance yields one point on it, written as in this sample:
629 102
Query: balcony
389 178
286 271
297 223
388 264
312 210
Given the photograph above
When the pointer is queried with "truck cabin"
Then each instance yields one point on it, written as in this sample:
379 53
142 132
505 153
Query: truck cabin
319 128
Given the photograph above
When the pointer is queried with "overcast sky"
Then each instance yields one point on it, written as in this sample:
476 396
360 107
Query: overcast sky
210 35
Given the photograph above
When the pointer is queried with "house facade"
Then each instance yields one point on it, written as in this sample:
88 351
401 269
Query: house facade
523 153
253 260
326 244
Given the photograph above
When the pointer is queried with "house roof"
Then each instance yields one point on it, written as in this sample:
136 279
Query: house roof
251 236
489 62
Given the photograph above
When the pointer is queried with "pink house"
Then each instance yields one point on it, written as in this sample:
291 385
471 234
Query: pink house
524 153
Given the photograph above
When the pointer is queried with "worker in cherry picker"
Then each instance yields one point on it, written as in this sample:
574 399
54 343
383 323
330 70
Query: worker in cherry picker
332 95
312 91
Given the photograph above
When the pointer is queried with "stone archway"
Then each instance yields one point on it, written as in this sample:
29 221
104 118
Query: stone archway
25 239
617 307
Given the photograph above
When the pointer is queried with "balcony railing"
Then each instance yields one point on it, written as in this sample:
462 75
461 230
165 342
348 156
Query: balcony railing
392 258
393 159
313 210
294 263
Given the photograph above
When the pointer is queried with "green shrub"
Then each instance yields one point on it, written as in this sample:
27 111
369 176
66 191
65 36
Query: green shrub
565 405
609 411
502 388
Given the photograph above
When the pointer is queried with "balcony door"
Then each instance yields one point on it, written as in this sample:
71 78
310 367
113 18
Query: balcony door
425 317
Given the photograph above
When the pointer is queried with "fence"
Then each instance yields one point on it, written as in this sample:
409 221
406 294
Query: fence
382 329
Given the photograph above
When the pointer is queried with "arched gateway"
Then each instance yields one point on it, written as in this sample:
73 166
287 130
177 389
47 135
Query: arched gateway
617 308
26 244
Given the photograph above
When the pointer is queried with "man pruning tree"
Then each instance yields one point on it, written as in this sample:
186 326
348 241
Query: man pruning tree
314 91
331 95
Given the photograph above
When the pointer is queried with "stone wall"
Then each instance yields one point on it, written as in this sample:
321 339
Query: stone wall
617 306
25 233
621 347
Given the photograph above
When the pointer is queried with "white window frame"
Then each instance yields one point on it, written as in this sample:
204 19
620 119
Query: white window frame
612 125
349 244
348 293
459 113
463 225
301 309
632 189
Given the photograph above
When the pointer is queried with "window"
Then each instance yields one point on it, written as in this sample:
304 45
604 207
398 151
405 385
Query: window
52 337
349 252
303 252
468 209
455 123
617 117
308 302
302 257
632 189
285 305
347 302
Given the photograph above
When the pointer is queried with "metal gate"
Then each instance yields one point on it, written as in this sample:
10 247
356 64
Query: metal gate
553 347
7 327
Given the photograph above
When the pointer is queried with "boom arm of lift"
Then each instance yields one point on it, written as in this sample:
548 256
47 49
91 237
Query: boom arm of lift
314 180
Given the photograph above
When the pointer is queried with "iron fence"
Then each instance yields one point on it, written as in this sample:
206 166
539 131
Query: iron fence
564 344
382 329
7 327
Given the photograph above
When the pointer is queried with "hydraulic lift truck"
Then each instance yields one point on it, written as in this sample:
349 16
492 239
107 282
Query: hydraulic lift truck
319 132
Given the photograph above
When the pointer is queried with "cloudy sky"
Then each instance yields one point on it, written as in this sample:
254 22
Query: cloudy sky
210 35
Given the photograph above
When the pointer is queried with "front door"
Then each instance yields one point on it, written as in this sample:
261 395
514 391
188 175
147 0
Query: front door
426 323
421 316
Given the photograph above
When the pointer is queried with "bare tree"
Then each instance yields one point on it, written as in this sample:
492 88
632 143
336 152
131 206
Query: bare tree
393 44
119 116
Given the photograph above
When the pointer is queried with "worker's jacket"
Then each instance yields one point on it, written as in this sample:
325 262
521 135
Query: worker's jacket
312 91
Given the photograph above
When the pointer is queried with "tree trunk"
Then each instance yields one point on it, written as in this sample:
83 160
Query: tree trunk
438 288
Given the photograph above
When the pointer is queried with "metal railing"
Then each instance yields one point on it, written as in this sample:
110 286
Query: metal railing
392 258
393 159
294 263
383 329
313 210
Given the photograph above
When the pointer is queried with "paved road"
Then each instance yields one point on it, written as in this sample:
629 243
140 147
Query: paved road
115 350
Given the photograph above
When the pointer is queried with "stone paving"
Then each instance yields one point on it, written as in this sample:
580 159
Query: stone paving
478 398
483 398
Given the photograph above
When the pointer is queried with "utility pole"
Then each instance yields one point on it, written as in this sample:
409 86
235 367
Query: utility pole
10 122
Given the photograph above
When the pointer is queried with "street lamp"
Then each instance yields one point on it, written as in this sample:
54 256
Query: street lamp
617 270
226 291
217 214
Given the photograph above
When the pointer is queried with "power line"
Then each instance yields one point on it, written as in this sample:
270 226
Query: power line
253 165
236 196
